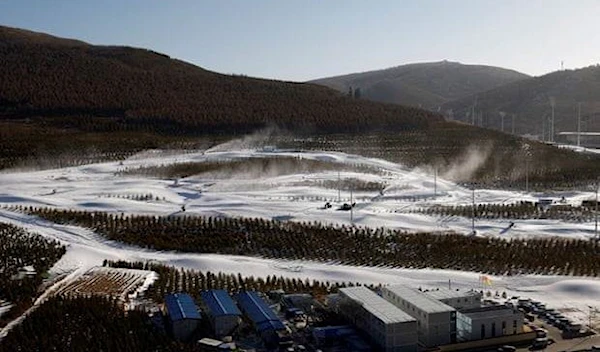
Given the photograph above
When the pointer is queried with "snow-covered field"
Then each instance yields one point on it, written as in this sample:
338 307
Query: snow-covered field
280 196
276 195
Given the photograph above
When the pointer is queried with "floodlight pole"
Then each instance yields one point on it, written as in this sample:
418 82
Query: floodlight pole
513 124
351 207
473 210
339 187
596 213
526 174
435 182
579 125
552 104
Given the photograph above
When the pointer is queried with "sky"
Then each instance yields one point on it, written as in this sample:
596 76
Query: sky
299 40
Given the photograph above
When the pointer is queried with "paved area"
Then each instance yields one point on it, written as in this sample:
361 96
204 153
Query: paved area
560 344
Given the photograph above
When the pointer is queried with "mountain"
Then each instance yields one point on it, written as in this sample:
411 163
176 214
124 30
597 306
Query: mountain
426 85
43 75
530 102
66 102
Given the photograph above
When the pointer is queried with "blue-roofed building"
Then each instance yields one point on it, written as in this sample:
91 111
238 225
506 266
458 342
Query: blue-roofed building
264 319
224 315
183 315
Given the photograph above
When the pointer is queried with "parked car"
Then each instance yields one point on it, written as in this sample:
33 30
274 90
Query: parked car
507 348
539 343
541 332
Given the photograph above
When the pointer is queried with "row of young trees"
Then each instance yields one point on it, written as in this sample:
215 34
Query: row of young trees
171 279
18 249
270 165
520 210
341 244
87 324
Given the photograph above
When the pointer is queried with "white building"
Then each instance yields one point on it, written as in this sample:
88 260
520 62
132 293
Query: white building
389 327
436 321
488 321
457 299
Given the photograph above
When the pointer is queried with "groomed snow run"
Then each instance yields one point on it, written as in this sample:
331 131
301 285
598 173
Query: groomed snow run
297 197
86 249
273 194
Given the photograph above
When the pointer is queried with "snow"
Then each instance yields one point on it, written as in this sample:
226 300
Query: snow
579 149
5 307
295 197
278 195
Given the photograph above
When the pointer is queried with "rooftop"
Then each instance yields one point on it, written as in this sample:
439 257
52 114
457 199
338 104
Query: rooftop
259 311
444 293
419 299
376 305
489 309
181 306
219 303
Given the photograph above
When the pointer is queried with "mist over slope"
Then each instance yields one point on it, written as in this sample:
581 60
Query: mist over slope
426 85
65 102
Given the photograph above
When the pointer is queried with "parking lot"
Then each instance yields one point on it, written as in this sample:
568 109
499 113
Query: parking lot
546 319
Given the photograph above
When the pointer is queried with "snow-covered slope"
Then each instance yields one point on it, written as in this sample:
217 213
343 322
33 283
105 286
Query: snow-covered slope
278 195
86 249
297 197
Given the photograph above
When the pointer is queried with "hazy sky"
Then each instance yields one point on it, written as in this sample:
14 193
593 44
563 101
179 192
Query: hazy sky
305 39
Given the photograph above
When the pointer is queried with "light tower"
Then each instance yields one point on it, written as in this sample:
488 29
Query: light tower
552 104
579 124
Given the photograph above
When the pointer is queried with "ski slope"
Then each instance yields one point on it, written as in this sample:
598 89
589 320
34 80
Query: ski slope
86 249
276 195
292 197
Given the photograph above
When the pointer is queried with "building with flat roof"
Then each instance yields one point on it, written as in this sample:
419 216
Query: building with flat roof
488 321
391 329
457 299
436 321
183 315
223 313
263 318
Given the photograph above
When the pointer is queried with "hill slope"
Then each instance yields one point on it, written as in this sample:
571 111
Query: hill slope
530 101
428 85
43 75
64 100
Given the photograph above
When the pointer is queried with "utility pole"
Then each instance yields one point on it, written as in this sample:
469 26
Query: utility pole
473 210
339 187
543 128
552 104
513 124
473 112
351 207
596 213
527 174
435 182
579 125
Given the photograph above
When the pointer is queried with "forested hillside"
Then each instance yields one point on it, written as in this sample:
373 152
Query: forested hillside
530 102
428 85
51 77
64 102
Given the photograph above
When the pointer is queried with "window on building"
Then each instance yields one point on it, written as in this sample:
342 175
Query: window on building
494 329
482 331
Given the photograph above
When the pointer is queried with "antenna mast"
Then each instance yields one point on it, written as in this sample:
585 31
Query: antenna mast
552 104
579 125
